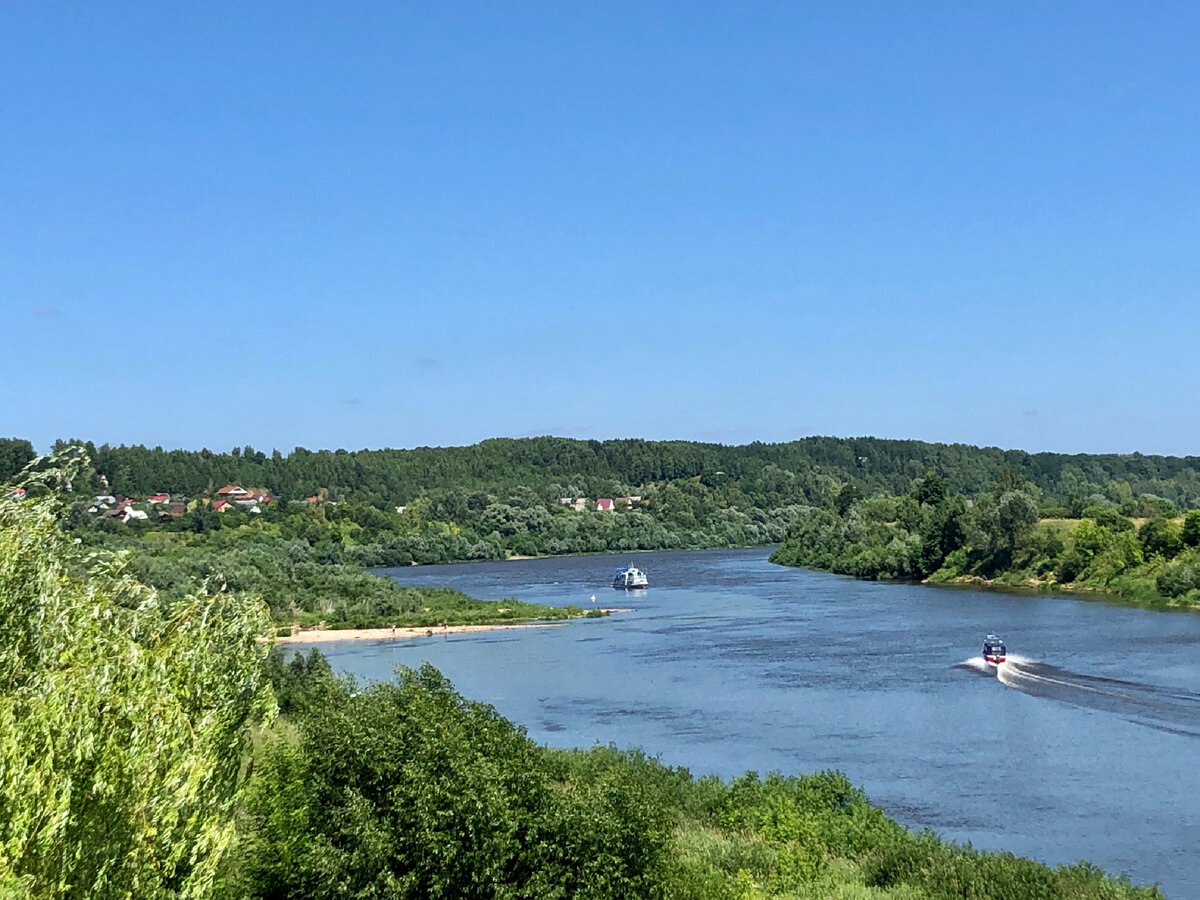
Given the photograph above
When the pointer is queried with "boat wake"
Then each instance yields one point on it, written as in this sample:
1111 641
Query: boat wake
1169 709
976 664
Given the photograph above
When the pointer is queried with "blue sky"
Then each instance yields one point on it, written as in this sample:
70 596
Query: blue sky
368 225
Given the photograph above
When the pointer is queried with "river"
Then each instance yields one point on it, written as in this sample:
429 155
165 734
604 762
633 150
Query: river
1085 745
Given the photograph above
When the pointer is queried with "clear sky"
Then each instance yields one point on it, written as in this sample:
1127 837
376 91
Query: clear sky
385 224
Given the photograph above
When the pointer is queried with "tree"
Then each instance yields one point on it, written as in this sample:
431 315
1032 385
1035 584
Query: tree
1109 518
1160 536
1009 480
1190 533
941 533
1017 514
847 497
15 454
930 490
1003 523
122 718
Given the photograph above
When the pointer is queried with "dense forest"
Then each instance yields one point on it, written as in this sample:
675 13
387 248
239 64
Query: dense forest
800 471
152 745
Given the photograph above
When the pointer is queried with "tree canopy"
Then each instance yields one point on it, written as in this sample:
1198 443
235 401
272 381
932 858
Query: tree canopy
603 468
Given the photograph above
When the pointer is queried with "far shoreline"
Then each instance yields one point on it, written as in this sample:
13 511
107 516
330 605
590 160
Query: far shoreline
582 554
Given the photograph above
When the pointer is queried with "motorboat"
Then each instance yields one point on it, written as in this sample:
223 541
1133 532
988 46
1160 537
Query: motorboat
630 577
994 650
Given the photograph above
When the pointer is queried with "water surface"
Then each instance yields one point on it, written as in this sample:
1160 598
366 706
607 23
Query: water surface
1086 745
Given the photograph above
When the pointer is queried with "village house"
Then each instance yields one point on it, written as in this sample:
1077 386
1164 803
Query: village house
159 498
128 513
221 505
604 504
102 501
231 492
174 512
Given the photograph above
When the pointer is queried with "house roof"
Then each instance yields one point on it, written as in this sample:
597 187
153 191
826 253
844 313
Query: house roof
231 489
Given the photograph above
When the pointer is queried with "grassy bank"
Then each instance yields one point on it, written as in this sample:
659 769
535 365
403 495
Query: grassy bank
1142 563
300 587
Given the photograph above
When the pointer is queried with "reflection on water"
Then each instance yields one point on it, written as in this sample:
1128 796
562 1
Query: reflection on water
728 663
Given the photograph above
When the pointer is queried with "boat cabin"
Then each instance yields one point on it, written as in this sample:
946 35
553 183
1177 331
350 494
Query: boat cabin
630 577
994 650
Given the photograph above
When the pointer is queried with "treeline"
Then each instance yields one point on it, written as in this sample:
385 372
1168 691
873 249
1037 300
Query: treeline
977 518
557 467
1004 536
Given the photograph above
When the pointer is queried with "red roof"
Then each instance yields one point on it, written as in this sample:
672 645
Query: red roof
158 498
231 489
604 503
221 504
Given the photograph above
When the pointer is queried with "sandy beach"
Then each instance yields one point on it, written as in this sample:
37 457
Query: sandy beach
323 635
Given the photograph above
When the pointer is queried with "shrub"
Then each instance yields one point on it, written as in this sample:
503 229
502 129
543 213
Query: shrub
407 789
1177 580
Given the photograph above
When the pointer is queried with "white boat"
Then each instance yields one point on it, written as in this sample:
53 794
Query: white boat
630 577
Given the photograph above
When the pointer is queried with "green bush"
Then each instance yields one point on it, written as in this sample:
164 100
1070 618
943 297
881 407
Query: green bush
1177 580
406 789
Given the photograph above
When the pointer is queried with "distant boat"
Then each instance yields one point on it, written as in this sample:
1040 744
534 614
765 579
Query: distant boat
994 650
630 577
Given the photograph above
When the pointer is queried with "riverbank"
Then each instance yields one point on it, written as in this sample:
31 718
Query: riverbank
407 632
1127 592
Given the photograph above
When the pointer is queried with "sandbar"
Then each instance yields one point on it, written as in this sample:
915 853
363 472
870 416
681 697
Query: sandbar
406 632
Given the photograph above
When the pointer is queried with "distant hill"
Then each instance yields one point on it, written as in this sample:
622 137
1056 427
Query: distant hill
595 468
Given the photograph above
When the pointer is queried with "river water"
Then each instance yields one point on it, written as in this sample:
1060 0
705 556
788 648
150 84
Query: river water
1085 745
